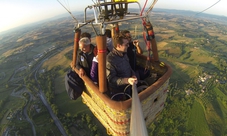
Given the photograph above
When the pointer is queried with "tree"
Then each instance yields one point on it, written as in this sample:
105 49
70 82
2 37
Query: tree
88 118
68 115
7 86
94 128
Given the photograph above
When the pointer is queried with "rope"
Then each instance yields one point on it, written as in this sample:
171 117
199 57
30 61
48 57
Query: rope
142 11
146 36
135 35
208 7
151 7
94 29
76 21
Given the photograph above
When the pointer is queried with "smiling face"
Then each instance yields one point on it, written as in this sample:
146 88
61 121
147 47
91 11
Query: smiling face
84 48
121 43
84 45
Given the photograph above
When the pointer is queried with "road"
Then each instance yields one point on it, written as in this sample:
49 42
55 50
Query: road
18 94
43 98
27 117
5 133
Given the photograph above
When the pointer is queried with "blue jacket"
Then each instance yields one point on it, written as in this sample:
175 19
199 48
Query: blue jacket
118 70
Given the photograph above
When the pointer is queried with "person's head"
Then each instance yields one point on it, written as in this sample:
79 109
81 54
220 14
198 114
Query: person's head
127 34
85 34
121 43
84 45
108 33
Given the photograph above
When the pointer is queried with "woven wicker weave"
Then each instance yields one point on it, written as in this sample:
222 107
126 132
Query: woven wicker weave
115 116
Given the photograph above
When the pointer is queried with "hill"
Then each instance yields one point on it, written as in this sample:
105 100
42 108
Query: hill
194 46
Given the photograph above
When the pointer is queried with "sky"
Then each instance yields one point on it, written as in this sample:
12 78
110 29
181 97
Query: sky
14 13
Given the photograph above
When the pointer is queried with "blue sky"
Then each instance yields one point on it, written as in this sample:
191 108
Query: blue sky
15 13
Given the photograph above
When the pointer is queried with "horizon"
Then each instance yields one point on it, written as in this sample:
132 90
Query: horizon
34 14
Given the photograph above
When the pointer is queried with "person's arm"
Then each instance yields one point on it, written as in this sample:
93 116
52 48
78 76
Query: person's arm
79 67
113 32
138 48
117 81
78 59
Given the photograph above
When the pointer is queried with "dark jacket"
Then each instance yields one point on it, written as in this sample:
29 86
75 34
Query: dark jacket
131 52
118 69
84 60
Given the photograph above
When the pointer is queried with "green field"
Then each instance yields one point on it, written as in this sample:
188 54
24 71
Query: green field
197 123
187 44
70 106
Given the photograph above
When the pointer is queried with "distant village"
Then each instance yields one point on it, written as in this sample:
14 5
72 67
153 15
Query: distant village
202 80
38 56
29 64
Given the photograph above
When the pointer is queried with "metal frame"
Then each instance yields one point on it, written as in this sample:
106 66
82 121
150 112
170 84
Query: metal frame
99 19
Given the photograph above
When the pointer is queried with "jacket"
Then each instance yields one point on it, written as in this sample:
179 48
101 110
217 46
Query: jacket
94 70
118 70
84 60
131 52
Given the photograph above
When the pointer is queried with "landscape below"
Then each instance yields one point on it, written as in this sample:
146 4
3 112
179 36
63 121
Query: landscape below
195 47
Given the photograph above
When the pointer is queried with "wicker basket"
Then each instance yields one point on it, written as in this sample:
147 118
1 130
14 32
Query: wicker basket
115 115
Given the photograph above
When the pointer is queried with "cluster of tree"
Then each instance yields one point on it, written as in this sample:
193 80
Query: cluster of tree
175 116
86 123
31 83
173 120
21 128
83 123
46 81
2 102
2 109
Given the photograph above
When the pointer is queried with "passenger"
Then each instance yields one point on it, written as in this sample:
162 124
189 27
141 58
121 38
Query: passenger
118 70
85 57
109 42
85 34
94 66
94 70
134 49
